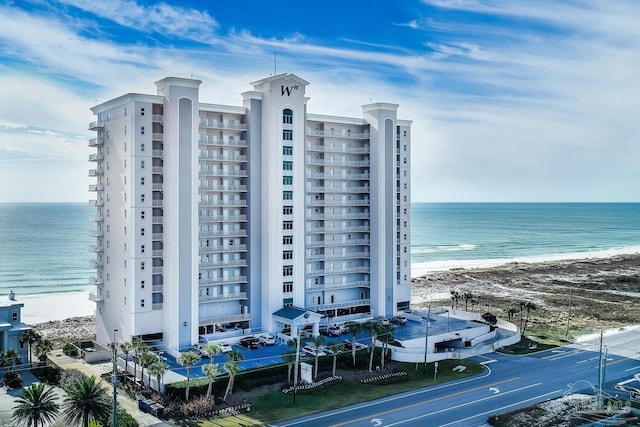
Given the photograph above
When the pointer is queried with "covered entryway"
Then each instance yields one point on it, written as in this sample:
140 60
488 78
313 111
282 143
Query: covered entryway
291 320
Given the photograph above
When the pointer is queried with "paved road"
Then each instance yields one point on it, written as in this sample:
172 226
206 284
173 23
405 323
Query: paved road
507 383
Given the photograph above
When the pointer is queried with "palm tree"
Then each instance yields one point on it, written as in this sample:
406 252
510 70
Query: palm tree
386 336
455 297
336 348
467 296
42 348
521 304
86 400
138 345
233 357
126 348
9 358
318 340
36 406
212 370
30 337
511 311
158 369
187 360
354 328
530 306
146 360
289 359
372 328
211 350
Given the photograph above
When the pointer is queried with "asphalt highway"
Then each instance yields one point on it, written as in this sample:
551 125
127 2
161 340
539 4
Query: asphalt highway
507 383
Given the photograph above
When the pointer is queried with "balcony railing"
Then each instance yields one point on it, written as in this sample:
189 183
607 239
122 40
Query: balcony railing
223 280
338 270
156 236
157 186
334 134
222 218
96 157
223 248
338 202
157 220
95 297
158 203
157 118
156 269
156 288
228 297
347 215
225 319
96 203
220 142
156 306
323 148
223 233
343 162
353 303
156 169
222 158
213 187
157 253
214 203
348 255
346 229
96 218
96 187
221 172
320 175
216 124
96 172
99 124
157 136
342 285
157 153
94 281
96 142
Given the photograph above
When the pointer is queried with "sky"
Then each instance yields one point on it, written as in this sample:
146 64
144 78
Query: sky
511 100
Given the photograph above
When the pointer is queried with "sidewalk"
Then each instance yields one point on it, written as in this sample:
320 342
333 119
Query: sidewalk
96 370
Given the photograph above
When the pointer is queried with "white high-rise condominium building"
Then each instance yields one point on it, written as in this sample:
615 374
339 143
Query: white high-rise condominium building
216 220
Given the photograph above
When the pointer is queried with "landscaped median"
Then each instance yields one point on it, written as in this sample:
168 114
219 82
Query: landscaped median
276 406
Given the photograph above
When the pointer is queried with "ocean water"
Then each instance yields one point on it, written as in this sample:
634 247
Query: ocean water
44 247
446 235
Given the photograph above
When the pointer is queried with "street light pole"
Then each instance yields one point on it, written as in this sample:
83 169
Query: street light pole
295 369
114 380
426 341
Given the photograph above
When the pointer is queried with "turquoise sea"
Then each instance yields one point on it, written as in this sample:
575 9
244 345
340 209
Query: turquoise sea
44 247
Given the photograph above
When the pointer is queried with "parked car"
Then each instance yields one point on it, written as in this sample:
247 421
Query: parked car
324 349
312 350
399 320
335 330
224 347
383 321
250 342
347 345
267 339
197 349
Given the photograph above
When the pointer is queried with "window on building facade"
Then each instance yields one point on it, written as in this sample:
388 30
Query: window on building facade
287 225
287 240
142 248
287 116
287 270
141 214
142 180
287 180
287 195
287 287
142 146
142 231
142 198
141 164
287 151
142 265
287 135
287 255
142 284
287 210
141 303
287 166
141 130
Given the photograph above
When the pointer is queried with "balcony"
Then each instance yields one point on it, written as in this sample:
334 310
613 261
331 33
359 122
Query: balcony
354 303
96 157
235 318
338 202
322 175
157 153
347 215
222 158
96 233
322 148
347 255
96 172
338 270
223 233
346 229
156 269
157 186
156 236
157 169
99 124
94 263
221 142
217 124
94 281
95 248
214 187
157 203
218 264
339 162
96 142
223 280
216 203
337 134
96 218
156 253
157 220
156 288
223 248
156 136
95 297
222 218
337 189
96 203
156 306
96 187
228 297
158 118
342 285
222 172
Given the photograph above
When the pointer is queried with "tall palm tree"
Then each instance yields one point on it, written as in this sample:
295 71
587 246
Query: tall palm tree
289 359
455 297
157 369
385 335
212 370
138 345
234 357
317 340
87 400
336 348
511 311
521 304
126 348
467 296
30 337
146 360
188 359
529 306
36 406
354 328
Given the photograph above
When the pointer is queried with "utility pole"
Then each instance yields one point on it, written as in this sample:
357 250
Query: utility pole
600 379
114 380
426 341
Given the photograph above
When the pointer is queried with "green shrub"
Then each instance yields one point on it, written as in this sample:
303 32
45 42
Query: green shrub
12 380
69 378
70 350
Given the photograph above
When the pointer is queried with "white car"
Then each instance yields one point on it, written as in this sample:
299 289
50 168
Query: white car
224 347
313 351
267 339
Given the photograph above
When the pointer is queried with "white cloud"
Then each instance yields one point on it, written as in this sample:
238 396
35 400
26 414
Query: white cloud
160 18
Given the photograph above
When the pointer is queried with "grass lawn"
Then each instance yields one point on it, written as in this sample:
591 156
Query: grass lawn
275 406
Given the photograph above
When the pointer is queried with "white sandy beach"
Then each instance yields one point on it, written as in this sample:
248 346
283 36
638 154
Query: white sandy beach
40 308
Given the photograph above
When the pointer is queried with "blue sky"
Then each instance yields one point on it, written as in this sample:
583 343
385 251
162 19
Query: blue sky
510 100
